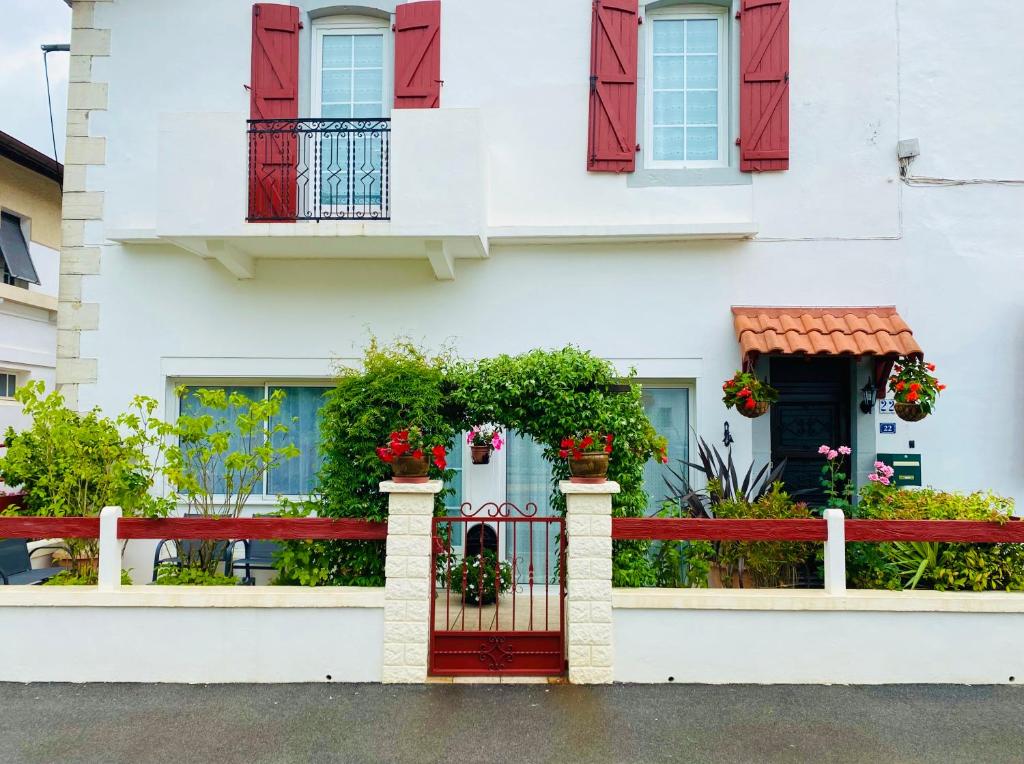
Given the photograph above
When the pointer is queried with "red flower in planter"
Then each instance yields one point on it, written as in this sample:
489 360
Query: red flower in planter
417 454
930 367
564 453
912 396
567 443
750 403
900 386
586 442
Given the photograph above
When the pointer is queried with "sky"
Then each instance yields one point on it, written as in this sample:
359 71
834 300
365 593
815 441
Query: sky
24 26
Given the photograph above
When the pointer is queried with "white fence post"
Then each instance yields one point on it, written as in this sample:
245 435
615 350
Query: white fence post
408 579
110 550
835 552
588 548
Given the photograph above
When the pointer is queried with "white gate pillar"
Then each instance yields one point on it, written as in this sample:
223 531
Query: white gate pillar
589 580
408 579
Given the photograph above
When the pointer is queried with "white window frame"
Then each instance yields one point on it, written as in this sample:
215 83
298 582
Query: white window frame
262 499
7 373
687 13
354 25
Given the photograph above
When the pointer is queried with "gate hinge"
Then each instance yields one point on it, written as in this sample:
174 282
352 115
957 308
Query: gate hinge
638 147
593 83
738 14
737 141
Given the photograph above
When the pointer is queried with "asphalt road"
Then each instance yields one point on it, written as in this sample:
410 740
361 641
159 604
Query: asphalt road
183 724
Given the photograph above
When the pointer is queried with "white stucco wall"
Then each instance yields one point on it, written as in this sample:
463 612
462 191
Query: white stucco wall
154 635
770 637
837 229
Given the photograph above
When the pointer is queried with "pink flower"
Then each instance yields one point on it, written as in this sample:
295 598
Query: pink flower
469 436
497 442
831 455
823 449
873 477
845 450
883 480
879 465
887 470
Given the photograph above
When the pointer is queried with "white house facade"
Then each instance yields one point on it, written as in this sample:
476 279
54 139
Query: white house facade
680 187
30 220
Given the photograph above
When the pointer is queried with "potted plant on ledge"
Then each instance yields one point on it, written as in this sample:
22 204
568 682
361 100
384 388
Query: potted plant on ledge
409 453
588 455
748 395
914 388
484 439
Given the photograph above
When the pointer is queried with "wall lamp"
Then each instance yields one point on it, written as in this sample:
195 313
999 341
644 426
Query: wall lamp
867 397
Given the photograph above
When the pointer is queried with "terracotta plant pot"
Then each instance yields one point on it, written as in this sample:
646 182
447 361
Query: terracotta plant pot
481 454
591 468
910 412
760 408
409 469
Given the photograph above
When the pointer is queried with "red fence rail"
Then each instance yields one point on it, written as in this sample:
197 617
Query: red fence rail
666 529
276 528
197 528
49 527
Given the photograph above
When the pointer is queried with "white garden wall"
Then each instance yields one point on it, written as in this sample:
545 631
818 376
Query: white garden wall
191 634
807 637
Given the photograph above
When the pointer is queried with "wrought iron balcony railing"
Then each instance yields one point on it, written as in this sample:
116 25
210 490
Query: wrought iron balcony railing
319 169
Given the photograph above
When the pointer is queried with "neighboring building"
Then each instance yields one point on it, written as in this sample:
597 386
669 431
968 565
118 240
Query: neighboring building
30 224
531 174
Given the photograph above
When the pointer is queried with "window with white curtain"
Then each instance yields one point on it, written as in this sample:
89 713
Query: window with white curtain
300 411
351 80
686 98
668 408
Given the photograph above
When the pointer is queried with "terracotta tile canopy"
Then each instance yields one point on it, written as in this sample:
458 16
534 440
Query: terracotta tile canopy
877 331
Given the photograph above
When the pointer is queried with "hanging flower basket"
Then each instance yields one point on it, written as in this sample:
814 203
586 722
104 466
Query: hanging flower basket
910 412
748 395
913 388
760 408
483 439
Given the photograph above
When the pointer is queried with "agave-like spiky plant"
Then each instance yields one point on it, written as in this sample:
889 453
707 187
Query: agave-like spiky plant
723 481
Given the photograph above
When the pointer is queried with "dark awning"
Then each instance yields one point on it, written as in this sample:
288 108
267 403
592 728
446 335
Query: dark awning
14 250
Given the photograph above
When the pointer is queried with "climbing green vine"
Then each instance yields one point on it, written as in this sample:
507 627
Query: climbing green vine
546 395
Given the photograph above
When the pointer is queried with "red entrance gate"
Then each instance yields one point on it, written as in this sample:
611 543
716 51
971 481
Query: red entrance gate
499 592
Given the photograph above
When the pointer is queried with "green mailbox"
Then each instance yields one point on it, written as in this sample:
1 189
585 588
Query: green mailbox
907 468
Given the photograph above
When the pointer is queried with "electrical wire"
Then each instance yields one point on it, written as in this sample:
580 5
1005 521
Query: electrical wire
924 181
49 104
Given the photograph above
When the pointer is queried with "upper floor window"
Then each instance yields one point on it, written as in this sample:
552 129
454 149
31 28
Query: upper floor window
8 384
351 69
686 97
15 261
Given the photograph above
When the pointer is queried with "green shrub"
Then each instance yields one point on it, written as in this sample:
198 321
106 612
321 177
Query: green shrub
87 578
172 575
72 464
767 562
482 573
934 565
396 387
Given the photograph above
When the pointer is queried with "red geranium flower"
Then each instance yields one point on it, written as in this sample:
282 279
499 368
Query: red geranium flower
941 387
750 403
608 449
914 387
567 443
900 386
417 454
911 396
930 367
587 442
564 453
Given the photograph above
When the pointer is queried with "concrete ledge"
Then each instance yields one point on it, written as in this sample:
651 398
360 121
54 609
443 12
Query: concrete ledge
813 599
194 597
32 299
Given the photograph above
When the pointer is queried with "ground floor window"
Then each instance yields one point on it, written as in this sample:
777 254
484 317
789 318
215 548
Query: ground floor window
300 411
8 384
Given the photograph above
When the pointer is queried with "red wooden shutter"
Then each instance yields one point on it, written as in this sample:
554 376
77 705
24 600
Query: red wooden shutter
274 94
418 55
611 144
764 89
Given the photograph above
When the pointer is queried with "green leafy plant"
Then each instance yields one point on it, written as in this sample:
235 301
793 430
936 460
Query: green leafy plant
394 386
72 464
681 563
87 578
745 391
219 461
766 563
934 565
480 576
912 382
190 575
723 481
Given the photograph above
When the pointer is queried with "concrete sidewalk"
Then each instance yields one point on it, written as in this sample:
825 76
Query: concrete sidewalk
508 723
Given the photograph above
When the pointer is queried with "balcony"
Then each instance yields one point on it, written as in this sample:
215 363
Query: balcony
319 169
